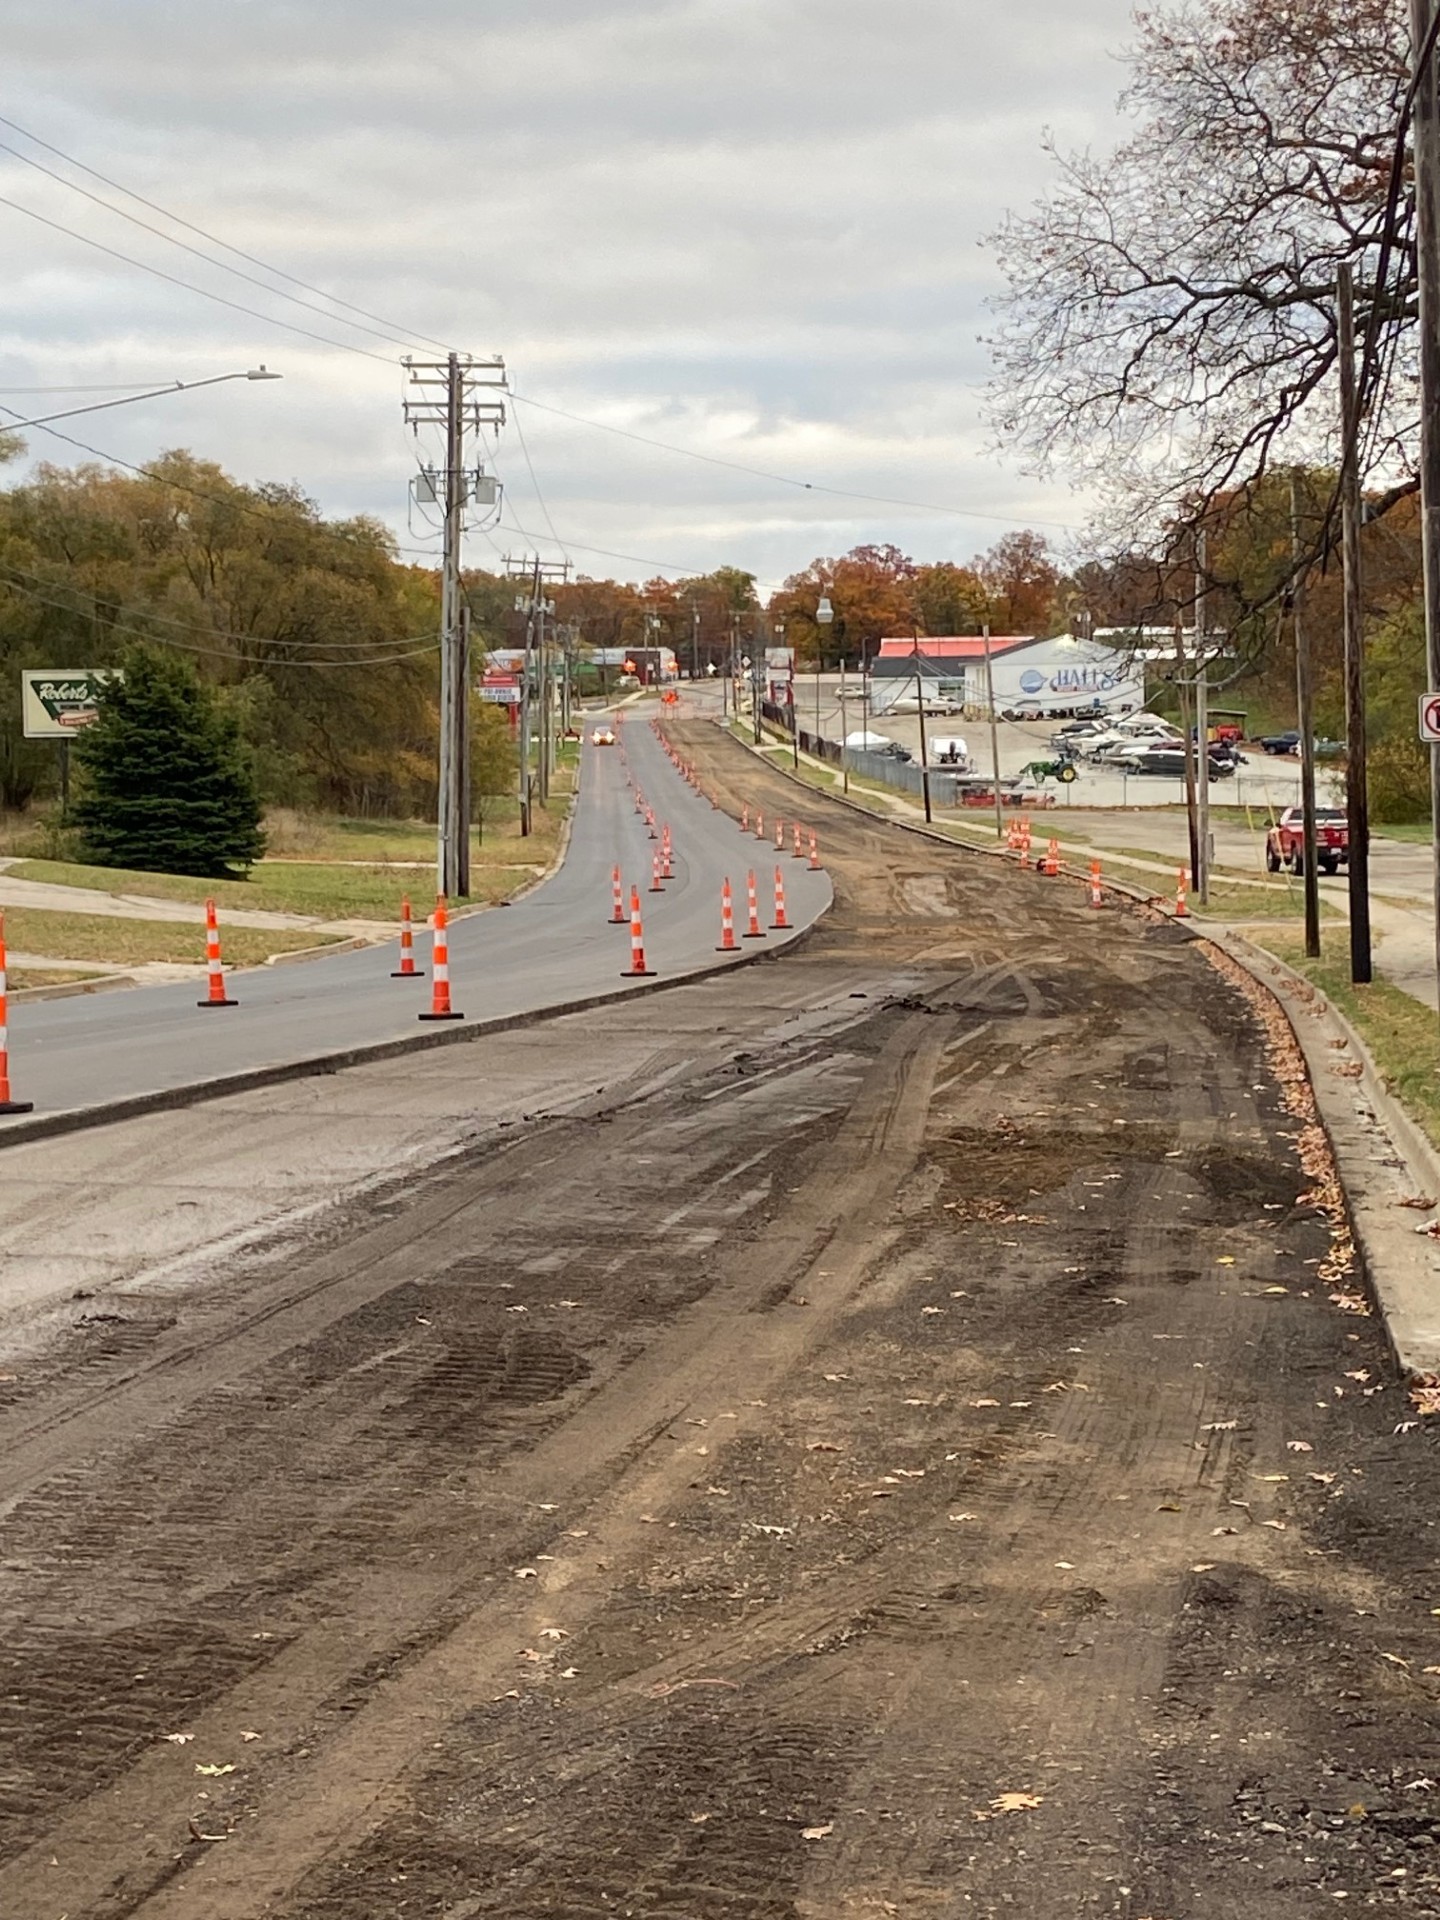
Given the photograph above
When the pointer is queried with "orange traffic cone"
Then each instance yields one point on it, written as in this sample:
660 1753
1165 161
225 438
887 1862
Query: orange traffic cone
779 924
728 942
617 907
1051 865
637 969
666 868
217 996
1182 912
798 852
779 836
814 852
759 826
1097 898
440 1008
7 1105
754 931
650 822
745 818
407 969
655 886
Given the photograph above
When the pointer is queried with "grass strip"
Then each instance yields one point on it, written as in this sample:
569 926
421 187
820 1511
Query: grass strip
1402 1033
121 943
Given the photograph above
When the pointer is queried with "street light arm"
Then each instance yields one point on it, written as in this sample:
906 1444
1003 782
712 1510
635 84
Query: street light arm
155 393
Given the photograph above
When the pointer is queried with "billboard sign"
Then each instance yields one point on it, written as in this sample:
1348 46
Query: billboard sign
58 702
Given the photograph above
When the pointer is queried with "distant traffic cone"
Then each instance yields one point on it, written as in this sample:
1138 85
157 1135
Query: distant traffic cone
745 818
779 836
655 886
1182 912
407 969
7 1105
637 969
779 924
797 852
650 822
217 996
759 826
639 801
1051 864
754 931
1097 898
814 852
666 851
617 908
440 1008
728 942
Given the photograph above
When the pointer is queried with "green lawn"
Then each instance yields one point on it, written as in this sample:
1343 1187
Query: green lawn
326 892
116 942
1401 1032
1415 833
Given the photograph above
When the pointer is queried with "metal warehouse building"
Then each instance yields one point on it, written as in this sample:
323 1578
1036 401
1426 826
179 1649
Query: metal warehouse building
1030 673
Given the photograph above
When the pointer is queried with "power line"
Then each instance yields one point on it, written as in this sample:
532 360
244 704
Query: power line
788 480
530 468
199 493
19 585
236 306
215 240
198 253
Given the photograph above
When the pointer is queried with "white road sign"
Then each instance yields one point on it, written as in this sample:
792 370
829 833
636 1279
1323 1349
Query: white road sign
1430 716
57 702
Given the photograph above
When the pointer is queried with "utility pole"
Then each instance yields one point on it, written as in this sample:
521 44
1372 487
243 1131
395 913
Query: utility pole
1426 162
535 682
994 736
1201 878
454 409
1304 719
924 751
1357 794
1192 810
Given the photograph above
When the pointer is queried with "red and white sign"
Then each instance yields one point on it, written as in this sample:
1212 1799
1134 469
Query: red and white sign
1430 716
501 689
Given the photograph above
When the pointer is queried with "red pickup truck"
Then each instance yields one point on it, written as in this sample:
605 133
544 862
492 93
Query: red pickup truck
1285 842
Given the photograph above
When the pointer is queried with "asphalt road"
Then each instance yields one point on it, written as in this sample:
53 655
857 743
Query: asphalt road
554 946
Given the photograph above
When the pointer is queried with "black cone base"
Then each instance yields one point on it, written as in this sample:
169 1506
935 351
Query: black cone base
217 1003
439 1016
417 973
17 1106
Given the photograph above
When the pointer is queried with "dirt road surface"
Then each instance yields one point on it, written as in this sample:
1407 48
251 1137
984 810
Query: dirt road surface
909 1444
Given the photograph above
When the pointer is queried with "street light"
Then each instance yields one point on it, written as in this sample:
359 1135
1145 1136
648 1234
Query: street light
155 393
824 615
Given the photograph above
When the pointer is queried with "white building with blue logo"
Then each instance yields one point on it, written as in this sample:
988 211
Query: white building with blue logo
1032 676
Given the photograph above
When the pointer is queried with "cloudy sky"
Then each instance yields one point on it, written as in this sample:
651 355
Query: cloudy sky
749 228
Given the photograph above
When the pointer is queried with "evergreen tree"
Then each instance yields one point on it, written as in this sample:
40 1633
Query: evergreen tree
167 787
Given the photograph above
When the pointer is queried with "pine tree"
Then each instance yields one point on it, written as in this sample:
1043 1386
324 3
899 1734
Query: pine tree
167 787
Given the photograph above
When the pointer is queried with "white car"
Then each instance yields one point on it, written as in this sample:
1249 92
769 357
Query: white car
1126 734
603 737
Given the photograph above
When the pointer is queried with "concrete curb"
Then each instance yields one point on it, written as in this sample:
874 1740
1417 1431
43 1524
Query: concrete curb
1383 1156
68 990
297 954
310 1066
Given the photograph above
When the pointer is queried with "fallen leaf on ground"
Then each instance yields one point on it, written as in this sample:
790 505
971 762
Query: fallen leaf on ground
964 1516
1220 1426
984 1403
527 1573
1299 1446
249 1735
212 1773
1396 1661
817 1833
178 1739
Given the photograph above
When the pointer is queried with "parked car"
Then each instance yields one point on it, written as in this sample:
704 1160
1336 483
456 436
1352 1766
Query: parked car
1129 733
941 703
1278 743
949 750
1167 757
1285 842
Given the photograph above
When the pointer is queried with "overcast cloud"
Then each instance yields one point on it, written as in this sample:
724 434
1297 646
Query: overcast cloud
747 226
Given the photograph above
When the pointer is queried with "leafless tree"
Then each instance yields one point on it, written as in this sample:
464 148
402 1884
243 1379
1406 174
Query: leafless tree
1167 335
